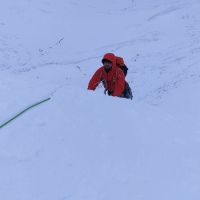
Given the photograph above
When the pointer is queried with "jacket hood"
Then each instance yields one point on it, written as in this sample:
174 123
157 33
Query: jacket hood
111 57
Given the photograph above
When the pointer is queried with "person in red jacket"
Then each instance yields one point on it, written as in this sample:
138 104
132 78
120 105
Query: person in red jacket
110 75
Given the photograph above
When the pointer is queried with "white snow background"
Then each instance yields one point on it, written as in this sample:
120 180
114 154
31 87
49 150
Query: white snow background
83 145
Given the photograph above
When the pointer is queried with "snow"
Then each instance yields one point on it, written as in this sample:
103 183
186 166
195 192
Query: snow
85 145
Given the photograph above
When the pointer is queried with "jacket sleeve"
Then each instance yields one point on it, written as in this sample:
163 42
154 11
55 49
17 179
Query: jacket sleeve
120 83
95 80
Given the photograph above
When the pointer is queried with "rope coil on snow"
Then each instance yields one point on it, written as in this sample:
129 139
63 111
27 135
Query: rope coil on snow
22 112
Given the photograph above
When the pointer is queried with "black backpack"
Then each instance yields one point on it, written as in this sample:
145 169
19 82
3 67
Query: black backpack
124 69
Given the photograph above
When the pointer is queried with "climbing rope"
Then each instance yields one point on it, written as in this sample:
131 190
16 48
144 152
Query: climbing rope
22 112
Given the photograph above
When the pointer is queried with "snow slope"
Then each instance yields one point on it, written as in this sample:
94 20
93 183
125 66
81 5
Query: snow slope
85 145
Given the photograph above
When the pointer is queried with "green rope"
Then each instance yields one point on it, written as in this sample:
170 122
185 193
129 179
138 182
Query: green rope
17 115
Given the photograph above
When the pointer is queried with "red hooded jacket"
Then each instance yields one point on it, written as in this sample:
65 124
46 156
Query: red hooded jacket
114 80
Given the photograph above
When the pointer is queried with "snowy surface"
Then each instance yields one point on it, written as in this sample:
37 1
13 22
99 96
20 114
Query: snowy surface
83 145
